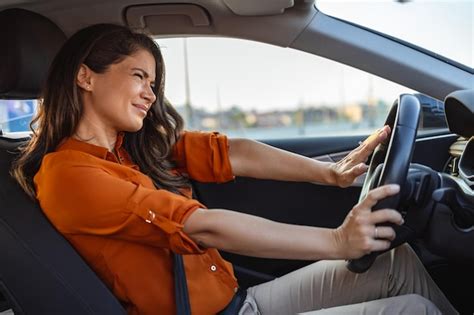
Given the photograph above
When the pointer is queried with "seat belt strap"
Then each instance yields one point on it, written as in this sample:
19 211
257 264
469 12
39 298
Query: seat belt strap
180 287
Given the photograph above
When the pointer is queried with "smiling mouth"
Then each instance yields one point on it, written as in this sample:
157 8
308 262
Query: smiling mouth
141 107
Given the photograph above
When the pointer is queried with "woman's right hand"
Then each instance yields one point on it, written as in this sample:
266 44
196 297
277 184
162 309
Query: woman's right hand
359 234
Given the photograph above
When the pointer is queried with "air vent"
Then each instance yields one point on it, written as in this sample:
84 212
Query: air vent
457 148
466 163
455 152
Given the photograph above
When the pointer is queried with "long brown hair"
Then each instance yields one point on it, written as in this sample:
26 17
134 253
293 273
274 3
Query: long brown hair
61 108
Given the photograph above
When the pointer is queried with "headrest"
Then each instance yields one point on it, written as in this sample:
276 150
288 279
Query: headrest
29 43
459 108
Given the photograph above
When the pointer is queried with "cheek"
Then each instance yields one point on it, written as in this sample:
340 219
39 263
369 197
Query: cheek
113 97
105 102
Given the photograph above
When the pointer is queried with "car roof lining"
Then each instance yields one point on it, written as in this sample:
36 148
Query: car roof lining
301 27
194 20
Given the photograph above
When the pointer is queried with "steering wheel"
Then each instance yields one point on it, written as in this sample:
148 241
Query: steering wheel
389 165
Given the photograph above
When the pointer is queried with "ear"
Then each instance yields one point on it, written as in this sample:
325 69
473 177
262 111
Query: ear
83 78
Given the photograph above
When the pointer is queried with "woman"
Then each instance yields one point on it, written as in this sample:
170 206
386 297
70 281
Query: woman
110 165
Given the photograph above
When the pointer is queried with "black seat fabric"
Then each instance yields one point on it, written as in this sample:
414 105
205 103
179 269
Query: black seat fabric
40 272
29 43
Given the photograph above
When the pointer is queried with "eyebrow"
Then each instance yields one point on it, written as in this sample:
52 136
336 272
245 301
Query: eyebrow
145 74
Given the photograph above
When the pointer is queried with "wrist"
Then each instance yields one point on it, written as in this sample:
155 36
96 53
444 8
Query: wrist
331 174
338 242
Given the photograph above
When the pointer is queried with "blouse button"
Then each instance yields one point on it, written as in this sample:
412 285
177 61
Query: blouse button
213 268
151 216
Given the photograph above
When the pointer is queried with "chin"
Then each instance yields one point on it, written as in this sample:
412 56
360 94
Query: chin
135 129
132 127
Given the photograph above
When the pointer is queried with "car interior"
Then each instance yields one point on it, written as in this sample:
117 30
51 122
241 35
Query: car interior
41 273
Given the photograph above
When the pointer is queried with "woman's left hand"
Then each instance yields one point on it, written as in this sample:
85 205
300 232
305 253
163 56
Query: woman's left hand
353 165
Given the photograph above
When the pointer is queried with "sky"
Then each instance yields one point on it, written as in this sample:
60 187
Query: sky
224 72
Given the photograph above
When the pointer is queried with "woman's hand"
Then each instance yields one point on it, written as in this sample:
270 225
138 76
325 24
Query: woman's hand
359 235
350 167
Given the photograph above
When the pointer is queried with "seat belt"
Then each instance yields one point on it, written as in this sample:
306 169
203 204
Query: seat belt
181 295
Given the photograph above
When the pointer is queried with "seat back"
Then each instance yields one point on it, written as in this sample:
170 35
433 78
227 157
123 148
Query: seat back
40 272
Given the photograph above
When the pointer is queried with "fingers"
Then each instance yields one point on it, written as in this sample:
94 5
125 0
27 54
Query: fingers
387 129
375 139
366 148
384 232
368 243
386 215
380 135
359 169
380 245
384 132
353 164
379 240
380 193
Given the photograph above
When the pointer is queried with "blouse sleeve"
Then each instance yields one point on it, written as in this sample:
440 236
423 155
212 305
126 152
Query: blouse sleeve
94 202
204 156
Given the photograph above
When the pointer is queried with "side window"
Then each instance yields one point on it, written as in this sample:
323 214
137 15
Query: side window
432 116
254 90
16 115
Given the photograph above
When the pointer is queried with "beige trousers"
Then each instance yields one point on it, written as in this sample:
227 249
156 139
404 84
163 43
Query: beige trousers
397 283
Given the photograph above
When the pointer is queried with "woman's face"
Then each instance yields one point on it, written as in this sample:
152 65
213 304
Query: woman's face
120 98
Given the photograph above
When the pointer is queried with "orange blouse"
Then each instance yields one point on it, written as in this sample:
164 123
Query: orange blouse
125 228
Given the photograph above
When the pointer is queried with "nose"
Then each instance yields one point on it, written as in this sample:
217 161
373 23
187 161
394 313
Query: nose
148 94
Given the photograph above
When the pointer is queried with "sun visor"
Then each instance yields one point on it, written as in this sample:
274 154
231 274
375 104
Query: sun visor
459 108
261 7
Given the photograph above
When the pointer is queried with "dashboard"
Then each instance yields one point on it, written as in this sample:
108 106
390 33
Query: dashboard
450 231
466 164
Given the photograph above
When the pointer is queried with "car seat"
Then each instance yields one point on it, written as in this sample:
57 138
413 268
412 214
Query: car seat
40 272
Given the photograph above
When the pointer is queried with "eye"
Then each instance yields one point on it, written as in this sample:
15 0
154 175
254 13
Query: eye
139 75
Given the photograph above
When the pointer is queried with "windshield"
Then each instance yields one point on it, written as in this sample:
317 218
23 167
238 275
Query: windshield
443 27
